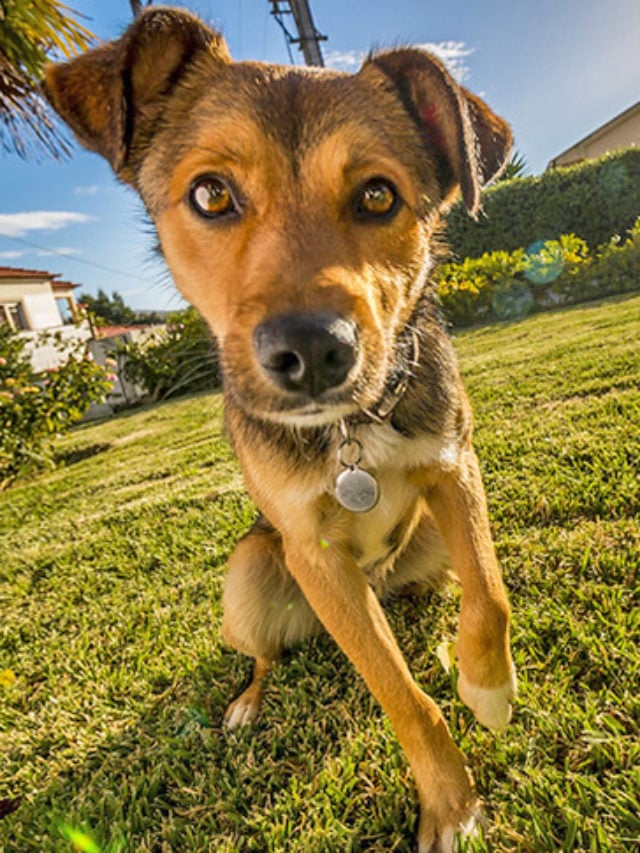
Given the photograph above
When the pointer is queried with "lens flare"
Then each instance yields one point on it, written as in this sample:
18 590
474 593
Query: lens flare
544 261
512 300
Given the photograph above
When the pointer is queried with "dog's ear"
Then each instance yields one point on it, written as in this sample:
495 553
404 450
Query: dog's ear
470 143
113 95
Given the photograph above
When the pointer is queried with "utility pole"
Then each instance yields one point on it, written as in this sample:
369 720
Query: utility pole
307 37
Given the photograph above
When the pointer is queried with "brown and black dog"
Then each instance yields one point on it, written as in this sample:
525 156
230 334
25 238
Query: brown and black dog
296 210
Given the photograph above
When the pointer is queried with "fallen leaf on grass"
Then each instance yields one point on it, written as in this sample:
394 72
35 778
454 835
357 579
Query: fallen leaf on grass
446 654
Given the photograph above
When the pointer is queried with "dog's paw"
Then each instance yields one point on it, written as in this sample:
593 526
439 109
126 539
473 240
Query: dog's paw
492 706
447 839
243 711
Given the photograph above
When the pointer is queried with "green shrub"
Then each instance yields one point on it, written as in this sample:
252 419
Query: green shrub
592 200
503 286
176 359
37 407
615 268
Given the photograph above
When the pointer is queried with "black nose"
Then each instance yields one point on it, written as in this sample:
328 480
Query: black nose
309 353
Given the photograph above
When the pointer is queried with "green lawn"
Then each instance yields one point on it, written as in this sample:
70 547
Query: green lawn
111 581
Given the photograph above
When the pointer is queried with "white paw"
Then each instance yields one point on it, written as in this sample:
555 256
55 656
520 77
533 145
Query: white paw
491 705
243 712
449 838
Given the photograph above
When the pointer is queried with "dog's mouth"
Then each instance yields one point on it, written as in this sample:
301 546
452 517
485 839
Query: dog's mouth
260 396
311 415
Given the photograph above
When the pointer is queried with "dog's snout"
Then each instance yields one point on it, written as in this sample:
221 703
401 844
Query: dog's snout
307 353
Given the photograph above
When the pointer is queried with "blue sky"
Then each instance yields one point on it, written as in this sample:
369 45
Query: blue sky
556 69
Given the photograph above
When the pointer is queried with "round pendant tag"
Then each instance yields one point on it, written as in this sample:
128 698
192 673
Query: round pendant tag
356 490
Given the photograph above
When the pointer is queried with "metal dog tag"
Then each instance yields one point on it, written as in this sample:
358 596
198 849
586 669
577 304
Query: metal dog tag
356 490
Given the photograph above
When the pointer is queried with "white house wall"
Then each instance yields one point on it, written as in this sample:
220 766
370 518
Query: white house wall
15 290
45 354
41 311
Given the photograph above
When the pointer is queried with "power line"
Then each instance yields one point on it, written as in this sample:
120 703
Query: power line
75 258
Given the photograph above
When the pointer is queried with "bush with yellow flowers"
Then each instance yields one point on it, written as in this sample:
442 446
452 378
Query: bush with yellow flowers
37 407
504 285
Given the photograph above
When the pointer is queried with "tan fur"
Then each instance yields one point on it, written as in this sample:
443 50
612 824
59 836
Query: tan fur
166 105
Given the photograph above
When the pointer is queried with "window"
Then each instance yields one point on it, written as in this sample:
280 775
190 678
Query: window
11 313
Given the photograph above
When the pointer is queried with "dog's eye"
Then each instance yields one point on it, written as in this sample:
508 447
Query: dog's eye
211 196
377 199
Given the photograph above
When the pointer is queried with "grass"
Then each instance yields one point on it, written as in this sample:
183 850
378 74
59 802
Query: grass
113 565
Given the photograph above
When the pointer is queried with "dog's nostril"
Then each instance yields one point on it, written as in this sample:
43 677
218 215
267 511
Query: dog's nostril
306 353
288 363
338 358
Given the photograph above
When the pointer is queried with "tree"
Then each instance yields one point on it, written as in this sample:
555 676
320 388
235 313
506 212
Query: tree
29 33
517 167
179 358
107 311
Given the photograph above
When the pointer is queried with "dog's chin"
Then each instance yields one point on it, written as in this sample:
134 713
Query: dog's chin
311 415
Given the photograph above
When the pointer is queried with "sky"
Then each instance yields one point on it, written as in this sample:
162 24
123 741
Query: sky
555 69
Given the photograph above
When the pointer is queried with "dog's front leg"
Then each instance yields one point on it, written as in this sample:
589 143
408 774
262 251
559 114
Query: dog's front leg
486 681
338 592
264 612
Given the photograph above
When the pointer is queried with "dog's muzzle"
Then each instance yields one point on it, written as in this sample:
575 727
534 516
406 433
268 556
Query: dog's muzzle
306 354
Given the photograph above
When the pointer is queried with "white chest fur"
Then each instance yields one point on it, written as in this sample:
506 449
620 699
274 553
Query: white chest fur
388 456
383 447
371 530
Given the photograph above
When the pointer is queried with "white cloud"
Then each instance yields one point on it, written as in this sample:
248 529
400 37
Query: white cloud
62 250
344 60
452 53
93 189
19 224
11 256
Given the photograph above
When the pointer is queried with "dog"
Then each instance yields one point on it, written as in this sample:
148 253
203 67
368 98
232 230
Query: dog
297 210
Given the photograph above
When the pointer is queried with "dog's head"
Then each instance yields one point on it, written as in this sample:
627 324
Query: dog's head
295 207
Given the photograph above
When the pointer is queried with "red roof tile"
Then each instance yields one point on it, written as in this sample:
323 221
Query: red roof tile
18 272
64 284
115 331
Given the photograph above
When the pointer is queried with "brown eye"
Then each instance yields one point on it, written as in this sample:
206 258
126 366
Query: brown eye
211 197
377 199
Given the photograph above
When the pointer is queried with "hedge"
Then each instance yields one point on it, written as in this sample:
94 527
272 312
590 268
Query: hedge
592 200
508 285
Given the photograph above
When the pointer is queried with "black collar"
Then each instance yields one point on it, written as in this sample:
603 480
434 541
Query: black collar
405 363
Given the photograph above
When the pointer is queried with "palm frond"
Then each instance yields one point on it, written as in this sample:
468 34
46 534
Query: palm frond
29 34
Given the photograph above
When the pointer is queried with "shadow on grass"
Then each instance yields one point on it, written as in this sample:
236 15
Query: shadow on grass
65 458
320 771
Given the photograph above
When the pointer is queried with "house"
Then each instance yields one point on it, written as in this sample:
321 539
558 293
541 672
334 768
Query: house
42 309
36 301
620 132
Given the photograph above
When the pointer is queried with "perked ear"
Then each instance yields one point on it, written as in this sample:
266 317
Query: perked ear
112 96
471 144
